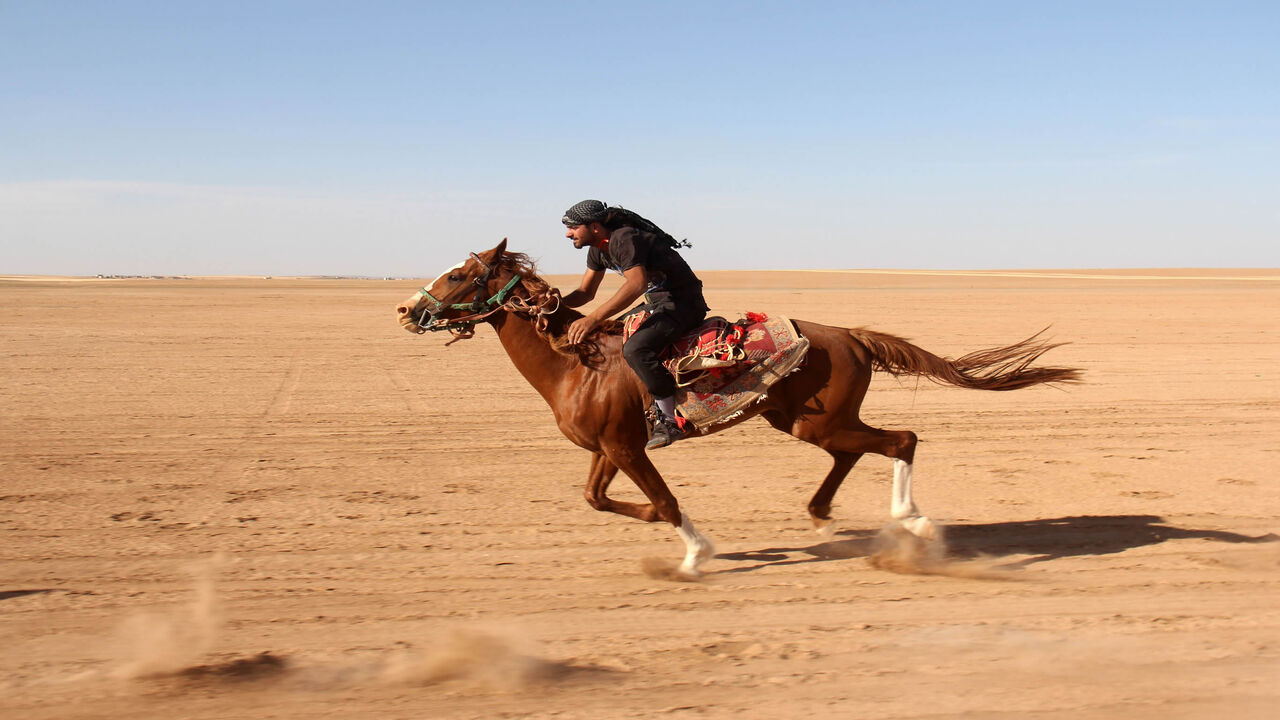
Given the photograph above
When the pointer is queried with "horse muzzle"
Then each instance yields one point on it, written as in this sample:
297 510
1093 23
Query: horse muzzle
411 317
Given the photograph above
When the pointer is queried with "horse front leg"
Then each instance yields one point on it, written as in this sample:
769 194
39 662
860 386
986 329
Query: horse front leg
602 473
662 504
697 548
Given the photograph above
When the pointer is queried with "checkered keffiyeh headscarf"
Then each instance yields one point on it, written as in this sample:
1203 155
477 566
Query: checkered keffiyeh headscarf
587 211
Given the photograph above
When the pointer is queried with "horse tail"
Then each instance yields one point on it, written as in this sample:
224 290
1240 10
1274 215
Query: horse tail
1002 368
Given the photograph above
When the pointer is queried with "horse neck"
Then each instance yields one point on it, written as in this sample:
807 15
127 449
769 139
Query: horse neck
533 356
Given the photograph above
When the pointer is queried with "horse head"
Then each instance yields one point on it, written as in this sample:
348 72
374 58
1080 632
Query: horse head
466 293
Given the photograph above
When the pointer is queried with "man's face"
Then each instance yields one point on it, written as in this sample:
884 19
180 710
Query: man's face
583 235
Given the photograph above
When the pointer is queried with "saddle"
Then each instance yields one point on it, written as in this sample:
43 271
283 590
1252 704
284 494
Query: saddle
721 368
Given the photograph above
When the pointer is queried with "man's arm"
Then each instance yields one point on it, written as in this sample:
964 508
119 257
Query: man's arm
633 284
586 291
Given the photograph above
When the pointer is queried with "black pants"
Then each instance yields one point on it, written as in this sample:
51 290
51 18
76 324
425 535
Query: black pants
647 343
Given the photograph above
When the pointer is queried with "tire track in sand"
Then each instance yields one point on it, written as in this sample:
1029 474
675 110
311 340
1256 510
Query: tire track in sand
405 391
282 400
236 458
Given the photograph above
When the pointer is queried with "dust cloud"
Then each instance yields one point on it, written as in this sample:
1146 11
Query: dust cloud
494 660
665 569
161 644
897 550
484 659
175 646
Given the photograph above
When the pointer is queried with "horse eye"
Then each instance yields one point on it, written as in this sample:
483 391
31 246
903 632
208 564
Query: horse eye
455 278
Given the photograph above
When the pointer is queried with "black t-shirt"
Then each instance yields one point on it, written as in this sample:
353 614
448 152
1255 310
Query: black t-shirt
664 269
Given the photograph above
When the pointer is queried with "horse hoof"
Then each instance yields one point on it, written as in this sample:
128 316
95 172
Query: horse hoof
690 569
922 527
706 551
688 575
662 569
826 529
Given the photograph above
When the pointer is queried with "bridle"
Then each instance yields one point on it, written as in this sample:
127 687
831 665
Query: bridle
481 308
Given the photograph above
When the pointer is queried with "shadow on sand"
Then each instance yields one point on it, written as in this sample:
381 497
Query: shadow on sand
1044 540
7 594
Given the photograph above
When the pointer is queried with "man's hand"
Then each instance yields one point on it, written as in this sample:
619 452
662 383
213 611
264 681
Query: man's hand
633 280
581 328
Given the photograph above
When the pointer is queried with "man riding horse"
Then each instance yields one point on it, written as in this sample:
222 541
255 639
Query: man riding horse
598 404
647 260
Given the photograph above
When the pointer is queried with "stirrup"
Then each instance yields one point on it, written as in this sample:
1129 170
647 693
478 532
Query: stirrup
652 415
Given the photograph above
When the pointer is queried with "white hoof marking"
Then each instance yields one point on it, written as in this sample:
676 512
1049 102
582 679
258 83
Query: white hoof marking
901 504
921 526
698 549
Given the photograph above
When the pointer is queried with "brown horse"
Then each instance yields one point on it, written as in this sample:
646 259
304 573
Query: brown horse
599 402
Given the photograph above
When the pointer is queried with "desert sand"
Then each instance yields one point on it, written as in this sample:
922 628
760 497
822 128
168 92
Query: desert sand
251 498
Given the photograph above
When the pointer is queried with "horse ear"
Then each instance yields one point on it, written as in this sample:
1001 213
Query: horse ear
496 254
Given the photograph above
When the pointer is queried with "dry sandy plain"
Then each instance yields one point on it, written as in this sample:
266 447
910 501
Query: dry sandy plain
236 498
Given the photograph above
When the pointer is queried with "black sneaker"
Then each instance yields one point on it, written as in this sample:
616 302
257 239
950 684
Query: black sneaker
665 432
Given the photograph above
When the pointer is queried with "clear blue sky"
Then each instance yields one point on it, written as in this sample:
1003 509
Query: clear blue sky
391 138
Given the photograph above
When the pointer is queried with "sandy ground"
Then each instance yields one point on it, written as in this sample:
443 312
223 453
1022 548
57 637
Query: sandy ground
261 498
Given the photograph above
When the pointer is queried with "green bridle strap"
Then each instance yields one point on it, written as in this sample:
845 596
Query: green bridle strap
497 299
501 295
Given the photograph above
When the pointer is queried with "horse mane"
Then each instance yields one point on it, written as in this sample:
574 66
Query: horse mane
590 351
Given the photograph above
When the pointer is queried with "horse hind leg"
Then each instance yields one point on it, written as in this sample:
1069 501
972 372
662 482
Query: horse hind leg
820 503
900 446
902 506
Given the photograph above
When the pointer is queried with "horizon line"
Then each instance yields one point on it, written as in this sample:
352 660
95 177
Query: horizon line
1150 273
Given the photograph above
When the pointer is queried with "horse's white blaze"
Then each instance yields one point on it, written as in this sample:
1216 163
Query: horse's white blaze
902 506
446 272
698 549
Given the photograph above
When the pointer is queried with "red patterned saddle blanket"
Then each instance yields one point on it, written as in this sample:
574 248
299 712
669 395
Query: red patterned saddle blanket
722 368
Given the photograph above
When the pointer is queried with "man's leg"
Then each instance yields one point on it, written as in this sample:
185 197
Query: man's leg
642 351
